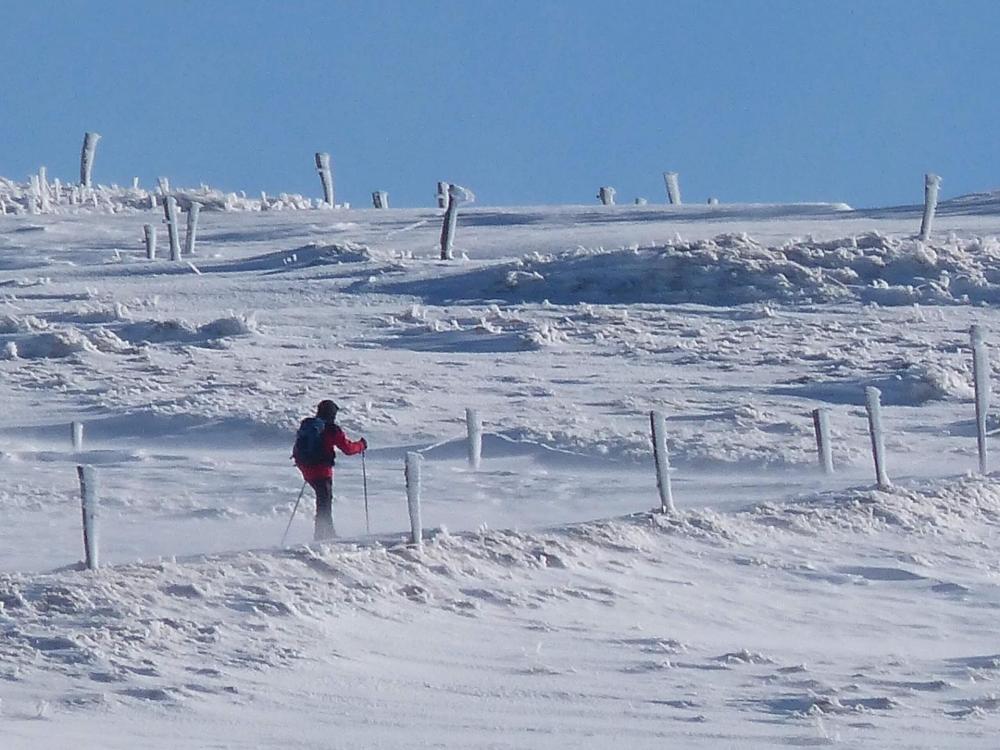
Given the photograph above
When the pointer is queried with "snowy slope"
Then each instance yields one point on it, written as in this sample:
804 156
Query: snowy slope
779 607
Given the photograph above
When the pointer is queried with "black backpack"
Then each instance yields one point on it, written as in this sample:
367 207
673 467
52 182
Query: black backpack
308 449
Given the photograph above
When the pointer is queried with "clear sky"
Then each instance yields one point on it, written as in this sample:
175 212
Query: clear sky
525 102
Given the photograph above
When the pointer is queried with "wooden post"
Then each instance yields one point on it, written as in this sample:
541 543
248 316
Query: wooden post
981 377
672 180
658 428
170 216
380 199
76 435
87 157
931 185
456 195
88 505
325 176
412 474
192 227
873 405
442 194
163 185
606 195
474 428
150 233
824 448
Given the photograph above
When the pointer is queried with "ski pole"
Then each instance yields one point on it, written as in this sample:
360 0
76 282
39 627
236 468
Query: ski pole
364 475
285 535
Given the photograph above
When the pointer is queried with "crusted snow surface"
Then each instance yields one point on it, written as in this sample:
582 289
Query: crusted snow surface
778 607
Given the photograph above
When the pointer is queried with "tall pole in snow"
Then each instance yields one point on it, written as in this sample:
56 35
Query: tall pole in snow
87 157
442 194
658 427
931 185
456 195
325 176
88 505
981 377
192 227
150 233
412 474
672 180
170 216
606 195
873 405
474 428
824 448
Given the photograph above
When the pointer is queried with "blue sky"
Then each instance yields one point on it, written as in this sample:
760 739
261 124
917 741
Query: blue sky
524 102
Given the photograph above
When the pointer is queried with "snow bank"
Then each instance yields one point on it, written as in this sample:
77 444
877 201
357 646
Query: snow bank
735 269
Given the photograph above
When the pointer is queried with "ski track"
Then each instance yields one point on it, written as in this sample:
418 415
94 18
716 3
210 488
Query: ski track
777 608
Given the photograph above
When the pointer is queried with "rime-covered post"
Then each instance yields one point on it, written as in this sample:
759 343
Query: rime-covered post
981 377
641 202
150 234
325 176
88 504
474 428
163 185
873 405
76 434
442 194
170 216
87 157
32 196
192 227
456 195
43 190
606 195
412 474
713 201
380 199
824 448
931 185
672 181
658 428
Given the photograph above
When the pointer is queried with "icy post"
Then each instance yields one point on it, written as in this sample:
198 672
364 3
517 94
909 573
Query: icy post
456 194
981 377
412 474
931 184
474 427
192 227
88 503
713 201
170 216
672 181
641 202
325 176
150 232
32 195
163 185
76 434
380 199
874 407
43 190
821 421
658 427
442 194
87 157
606 195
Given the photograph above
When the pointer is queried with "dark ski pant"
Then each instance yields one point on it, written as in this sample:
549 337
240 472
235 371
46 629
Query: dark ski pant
324 508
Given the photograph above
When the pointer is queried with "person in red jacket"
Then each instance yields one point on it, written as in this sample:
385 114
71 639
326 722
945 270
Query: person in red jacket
319 475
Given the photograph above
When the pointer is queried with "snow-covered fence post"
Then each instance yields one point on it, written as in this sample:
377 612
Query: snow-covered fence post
87 157
456 194
824 448
412 474
76 435
380 199
981 377
474 428
88 504
150 233
713 201
192 227
170 216
641 202
658 428
442 194
606 195
32 196
43 190
873 405
57 190
163 185
931 185
672 181
325 176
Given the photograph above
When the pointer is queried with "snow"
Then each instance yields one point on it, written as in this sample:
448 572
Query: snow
547 607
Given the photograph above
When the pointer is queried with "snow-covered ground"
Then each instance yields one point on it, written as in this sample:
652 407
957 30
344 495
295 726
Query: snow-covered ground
547 609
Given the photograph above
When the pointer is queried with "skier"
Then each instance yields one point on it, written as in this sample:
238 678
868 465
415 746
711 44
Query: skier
314 454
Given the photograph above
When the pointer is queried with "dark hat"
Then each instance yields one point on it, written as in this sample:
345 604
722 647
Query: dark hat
327 409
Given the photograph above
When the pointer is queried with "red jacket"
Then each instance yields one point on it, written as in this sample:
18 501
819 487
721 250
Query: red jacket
333 437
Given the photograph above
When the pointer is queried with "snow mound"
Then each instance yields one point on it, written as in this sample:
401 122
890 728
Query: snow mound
734 269
181 331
